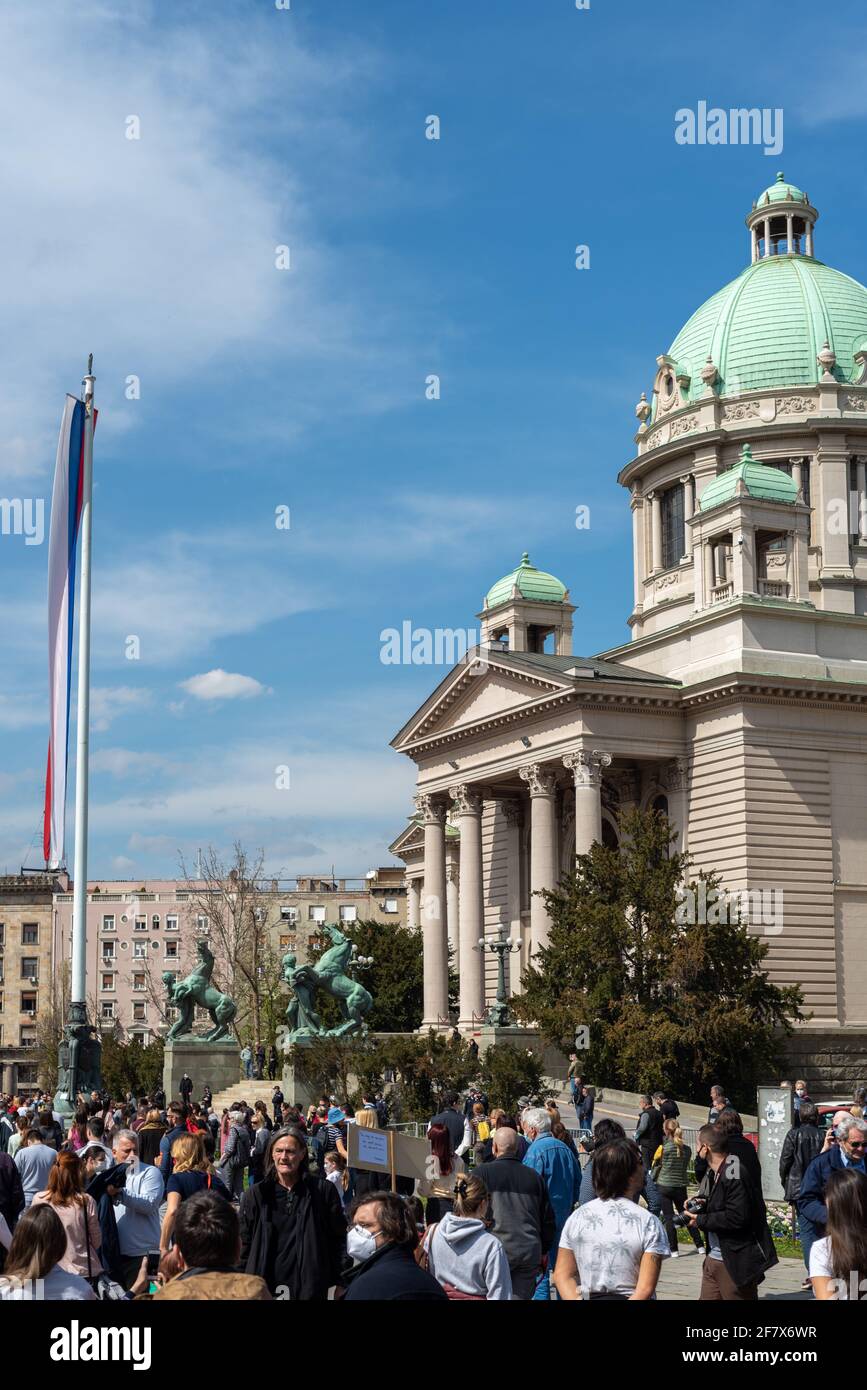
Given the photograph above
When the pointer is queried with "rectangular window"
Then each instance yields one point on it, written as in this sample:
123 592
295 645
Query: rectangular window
138 983
27 1036
672 526
28 1002
108 950
141 924
30 934
390 905
2 933
107 982
172 950
106 1008
348 912
2 973
29 968
1 1001
289 914
140 1013
139 950
203 925
171 924
108 922
288 941
316 914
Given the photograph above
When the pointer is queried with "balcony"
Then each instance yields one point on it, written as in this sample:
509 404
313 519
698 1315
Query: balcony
721 593
773 588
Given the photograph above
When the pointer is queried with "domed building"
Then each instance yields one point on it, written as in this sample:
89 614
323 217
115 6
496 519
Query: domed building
740 703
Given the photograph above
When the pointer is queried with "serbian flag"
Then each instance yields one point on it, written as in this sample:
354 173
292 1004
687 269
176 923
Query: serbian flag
66 500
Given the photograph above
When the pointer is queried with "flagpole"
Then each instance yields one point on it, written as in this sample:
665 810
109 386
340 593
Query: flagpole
80 1053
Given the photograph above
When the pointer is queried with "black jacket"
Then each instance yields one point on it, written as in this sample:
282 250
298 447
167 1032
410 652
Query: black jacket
11 1191
391 1274
800 1147
321 1235
648 1135
523 1218
736 1214
746 1153
454 1123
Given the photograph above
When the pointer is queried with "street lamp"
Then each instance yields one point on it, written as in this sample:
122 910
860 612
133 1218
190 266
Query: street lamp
499 1014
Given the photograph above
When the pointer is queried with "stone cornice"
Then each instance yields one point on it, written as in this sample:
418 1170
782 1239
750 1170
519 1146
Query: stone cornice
774 690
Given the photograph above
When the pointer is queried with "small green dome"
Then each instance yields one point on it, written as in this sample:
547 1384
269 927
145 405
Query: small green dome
781 192
765 329
531 583
759 479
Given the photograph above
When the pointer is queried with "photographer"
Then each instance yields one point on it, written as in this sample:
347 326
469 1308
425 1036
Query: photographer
733 1222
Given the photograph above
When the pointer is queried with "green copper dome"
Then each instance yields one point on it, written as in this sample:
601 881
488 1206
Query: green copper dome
531 583
766 328
781 192
759 479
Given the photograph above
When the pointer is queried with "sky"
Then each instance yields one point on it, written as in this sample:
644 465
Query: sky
239 207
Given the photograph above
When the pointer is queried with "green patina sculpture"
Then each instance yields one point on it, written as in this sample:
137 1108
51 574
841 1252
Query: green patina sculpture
329 973
196 988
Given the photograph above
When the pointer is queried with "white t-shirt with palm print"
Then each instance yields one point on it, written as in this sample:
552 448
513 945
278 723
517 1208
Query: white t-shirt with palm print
608 1238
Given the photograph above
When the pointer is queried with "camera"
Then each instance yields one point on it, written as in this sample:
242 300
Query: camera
693 1206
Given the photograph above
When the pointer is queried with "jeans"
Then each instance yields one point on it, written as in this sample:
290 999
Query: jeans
248 1069
809 1236
543 1283
651 1195
672 1199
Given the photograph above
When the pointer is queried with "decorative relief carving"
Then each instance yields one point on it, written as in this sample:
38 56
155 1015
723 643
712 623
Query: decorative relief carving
795 405
745 410
467 800
587 768
431 809
775 560
858 403
675 775
540 780
666 580
685 425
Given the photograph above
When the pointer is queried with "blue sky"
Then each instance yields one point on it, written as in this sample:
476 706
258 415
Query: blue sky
306 388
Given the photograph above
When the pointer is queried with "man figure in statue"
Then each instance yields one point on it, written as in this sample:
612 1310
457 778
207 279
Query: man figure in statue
301 1015
196 988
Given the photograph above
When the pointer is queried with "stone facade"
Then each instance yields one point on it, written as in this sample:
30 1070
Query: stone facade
27 937
739 706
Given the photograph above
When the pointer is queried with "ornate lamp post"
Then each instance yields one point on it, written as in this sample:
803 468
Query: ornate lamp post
499 1014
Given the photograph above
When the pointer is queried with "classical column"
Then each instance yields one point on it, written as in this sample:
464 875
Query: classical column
468 804
708 573
513 815
587 769
433 908
636 502
543 847
675 779
414 891
453 911
809 239
861 477
767 226
754 244
789 245
656 530
688 509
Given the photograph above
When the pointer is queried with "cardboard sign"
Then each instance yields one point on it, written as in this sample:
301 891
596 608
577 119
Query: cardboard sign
387 1151
372 1145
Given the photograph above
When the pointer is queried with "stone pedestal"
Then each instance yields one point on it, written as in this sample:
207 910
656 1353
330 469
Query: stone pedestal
216 1064
554 1064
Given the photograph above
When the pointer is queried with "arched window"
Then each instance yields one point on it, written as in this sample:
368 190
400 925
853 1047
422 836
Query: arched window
672 526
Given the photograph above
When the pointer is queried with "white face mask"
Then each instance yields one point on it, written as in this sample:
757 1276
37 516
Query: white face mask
360 1244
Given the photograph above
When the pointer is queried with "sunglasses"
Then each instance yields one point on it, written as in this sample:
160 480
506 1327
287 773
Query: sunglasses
858 1144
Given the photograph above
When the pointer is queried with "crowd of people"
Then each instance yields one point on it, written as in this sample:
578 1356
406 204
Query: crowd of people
141 1199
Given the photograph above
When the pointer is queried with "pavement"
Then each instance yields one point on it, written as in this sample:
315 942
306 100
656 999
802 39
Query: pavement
680 1279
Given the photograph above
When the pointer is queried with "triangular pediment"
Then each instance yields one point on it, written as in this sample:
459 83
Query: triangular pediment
474 694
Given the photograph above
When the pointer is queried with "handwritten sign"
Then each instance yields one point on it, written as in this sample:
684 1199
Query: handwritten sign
372 1148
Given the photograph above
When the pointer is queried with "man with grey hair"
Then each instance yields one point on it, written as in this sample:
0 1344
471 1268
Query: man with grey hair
845 1147
522 1215
561 1171
137 1196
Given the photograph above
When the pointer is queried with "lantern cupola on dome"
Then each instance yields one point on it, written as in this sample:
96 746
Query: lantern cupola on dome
781 222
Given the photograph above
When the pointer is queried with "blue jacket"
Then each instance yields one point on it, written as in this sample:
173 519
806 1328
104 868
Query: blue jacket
561 1171
811 1198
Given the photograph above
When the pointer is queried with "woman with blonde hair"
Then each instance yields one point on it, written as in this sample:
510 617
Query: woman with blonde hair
77 1213
669 1172
360 1180
462 1254
190 1174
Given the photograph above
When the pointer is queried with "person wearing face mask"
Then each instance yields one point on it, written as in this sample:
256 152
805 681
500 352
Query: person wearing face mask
383 1237
799 1096
293 1231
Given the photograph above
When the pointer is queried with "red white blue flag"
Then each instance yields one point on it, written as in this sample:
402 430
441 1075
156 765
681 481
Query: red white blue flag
66 502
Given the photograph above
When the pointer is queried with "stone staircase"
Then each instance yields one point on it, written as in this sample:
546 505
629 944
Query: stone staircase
249 1091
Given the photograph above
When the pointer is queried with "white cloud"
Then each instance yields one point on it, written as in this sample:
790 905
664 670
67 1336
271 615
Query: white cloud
108 702
121 865
223 685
